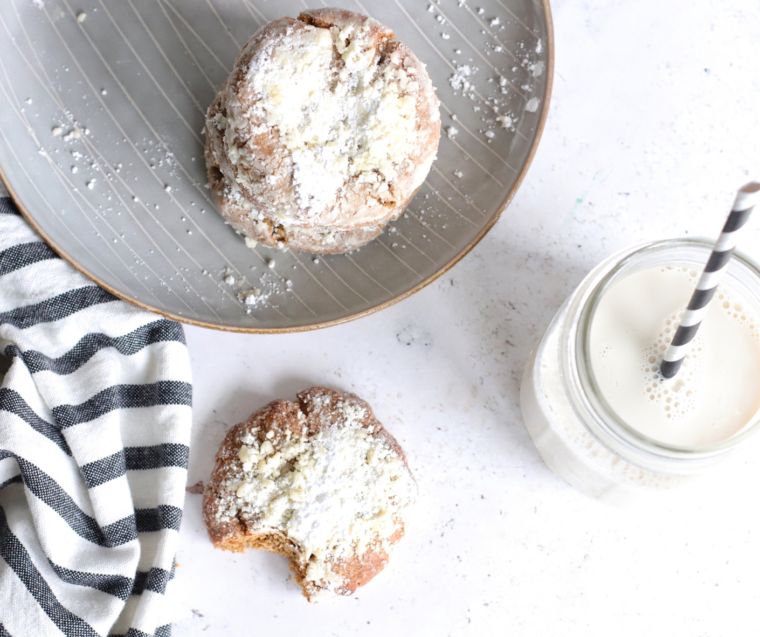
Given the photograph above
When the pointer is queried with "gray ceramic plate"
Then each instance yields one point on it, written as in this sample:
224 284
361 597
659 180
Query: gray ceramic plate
101 108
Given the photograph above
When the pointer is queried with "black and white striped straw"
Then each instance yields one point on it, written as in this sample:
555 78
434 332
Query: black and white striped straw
720 257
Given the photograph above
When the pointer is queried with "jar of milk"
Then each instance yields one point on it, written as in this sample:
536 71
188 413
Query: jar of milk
592 397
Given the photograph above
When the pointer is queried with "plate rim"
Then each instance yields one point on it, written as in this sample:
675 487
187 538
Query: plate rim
351 317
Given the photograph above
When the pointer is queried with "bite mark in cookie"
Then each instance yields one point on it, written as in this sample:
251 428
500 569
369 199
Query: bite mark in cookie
321 482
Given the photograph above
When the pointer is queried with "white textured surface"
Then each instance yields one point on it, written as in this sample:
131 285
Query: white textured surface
653 126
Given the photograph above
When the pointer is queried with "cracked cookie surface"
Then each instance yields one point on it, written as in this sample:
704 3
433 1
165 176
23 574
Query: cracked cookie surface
322 133
319 481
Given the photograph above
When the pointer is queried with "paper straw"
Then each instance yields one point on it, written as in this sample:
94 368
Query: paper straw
719 259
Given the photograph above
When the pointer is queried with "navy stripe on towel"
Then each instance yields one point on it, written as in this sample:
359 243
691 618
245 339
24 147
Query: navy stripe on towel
14 480
86 527
164 516
18 559
134 459
166 455
156 580
104 470
129 344
116 585
161 631
165 392
7 207
56 308
12 402
24 254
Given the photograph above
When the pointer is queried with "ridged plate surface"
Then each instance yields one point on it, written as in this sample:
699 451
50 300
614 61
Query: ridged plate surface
102 104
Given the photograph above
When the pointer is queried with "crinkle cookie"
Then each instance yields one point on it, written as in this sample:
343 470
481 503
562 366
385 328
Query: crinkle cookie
319 481
322 133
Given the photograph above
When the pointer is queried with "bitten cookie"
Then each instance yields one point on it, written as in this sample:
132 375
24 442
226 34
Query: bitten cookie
322 134
320 482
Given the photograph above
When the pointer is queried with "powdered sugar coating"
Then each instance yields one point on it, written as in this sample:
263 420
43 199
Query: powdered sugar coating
325 124
326 476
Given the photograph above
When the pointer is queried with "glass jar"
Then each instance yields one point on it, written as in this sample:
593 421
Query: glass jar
573 427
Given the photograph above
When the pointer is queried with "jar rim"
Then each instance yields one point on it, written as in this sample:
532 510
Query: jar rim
607 419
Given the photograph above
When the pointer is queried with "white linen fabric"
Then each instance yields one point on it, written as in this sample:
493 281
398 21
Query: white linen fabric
95 416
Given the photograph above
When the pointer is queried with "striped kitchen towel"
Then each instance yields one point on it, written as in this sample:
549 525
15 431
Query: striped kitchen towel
94 430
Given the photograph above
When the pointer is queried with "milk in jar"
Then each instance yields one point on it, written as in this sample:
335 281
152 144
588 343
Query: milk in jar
592 397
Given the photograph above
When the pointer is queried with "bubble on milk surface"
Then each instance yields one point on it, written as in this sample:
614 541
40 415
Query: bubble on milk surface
676 396
734 307
736 310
